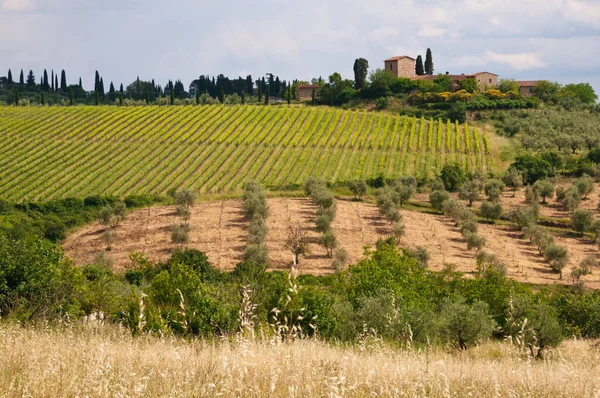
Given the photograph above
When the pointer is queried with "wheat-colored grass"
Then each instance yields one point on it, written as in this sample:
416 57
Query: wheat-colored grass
107 361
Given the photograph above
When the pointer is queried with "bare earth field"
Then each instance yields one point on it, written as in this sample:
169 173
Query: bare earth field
219 230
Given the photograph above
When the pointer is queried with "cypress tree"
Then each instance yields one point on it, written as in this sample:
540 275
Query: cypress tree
42 99
46 85
16 96
259 91
56 82
419 69
289 94
52 80
267 95
80 84
96 97
121 89
221 95
313 96
101 88
10 80
96 81
121 99
172 96
428 62
71 96
243 97
22 78
63 81
197 95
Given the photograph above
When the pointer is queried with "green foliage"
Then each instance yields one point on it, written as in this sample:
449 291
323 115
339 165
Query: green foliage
469 191
458 112
437 199
358 188
491 211
419 68
533 168
453 176
469 84
545 189
464 325
582 91
582 220
361 68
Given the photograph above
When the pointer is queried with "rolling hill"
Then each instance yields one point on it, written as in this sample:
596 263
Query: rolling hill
57 152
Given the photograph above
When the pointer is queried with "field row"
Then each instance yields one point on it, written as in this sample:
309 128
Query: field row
80 151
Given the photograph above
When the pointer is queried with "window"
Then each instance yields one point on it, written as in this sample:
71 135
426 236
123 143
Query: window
391 67
490 80
530 89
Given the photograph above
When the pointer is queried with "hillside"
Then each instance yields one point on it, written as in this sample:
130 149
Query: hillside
57 152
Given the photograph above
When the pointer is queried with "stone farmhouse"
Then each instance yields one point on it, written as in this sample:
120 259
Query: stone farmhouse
404 66
304 92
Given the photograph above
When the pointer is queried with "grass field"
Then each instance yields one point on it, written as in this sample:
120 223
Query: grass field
54 152
106 361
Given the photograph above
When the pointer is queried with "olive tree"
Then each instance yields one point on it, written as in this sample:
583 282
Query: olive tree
513 179
469 192
491 211
437 199
581 220
463 325
545 189
358 188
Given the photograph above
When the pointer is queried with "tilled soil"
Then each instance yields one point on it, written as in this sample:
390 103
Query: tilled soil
219 229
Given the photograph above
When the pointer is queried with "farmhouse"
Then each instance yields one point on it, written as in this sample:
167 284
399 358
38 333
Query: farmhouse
404 66
304 92
526 87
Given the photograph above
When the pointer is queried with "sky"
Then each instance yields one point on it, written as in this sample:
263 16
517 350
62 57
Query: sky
556 40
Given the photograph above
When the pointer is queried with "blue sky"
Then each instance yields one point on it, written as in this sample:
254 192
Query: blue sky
523 39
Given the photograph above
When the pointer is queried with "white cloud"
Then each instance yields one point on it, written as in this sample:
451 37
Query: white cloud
495 21
583 11
521 61
431 31
382 34
16 5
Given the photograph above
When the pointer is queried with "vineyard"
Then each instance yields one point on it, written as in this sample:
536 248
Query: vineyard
52 152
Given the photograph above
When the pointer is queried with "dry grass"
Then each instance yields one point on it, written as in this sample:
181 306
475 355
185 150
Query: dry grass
107 361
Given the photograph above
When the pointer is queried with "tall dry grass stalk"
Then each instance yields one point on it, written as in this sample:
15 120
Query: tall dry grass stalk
107 361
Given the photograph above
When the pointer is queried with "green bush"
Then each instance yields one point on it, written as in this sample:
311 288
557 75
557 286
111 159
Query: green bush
464 325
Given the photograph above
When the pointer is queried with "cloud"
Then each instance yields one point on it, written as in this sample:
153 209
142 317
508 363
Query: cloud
16 5
382 34
583 11
495 21
431 31
521 61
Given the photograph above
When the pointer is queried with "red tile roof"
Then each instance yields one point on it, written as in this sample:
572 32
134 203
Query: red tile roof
527 83
307 86
398 58
481 73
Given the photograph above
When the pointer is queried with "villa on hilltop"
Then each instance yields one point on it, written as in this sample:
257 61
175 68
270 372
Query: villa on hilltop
404 66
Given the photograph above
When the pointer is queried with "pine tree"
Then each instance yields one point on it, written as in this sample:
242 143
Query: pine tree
46 85
419 69
63 81
21 79
71 96
10 80
428 62
30 79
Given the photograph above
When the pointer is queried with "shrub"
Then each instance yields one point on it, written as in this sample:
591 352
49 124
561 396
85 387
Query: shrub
474 241
421 254
491 211
358 188
469 192
533 168
581 220
531 195
323 223
256 256
398 229
404 191
595 229
557 257
329 242
180 235
312 184
340 259
585 185
493 189
437 199
458 112
463 325
561 193
545 189
514 179
571 199
453 176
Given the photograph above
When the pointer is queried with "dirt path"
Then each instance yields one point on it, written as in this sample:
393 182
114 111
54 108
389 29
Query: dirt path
219 229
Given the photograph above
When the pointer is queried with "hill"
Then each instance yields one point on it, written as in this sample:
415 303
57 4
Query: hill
57 152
